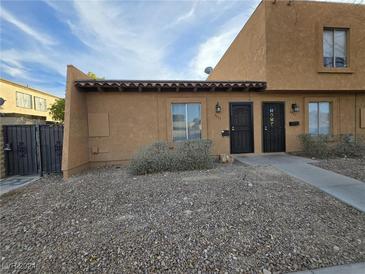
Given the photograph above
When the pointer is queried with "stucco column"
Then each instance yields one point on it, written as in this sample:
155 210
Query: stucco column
75 155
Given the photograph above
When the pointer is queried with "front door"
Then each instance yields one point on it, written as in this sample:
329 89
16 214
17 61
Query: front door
241 129
273 127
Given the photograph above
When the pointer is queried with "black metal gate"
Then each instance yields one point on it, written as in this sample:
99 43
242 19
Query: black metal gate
33 149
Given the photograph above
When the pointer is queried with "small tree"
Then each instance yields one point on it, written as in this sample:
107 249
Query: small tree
93 76
57 110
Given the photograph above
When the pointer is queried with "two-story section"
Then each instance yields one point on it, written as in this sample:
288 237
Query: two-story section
22 101
312 56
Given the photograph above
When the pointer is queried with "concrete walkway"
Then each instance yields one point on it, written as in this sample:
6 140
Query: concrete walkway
14 182
344 188
340 269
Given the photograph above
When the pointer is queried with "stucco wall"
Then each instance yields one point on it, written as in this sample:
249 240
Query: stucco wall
294 37
246 56
8 92
282 44
360 104
75 154
138 119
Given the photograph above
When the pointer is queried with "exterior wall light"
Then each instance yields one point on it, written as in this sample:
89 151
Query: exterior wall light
295 107
218 108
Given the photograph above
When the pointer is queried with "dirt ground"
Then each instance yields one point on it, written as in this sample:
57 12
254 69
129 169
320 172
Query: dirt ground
231 218
354 168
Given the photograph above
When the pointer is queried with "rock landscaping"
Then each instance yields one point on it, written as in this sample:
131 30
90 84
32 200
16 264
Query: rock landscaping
354 168
231 218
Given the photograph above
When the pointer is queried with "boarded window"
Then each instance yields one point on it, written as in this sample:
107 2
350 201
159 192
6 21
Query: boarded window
23 100
40 104
98 124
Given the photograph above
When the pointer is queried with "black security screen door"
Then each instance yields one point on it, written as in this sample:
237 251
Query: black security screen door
241 131
273 127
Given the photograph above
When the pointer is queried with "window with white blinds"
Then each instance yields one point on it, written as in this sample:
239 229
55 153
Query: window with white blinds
40 104
23 100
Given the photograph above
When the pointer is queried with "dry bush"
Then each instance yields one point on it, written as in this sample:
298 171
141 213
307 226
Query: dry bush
159 157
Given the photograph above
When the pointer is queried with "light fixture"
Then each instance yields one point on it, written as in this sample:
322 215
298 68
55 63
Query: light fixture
218 108
294 107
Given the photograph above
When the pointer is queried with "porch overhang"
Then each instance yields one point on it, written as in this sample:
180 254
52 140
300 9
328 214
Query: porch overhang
168 86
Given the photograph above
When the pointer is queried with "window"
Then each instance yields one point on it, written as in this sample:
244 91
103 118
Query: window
335 48
23 100
40 104
319 118
186 121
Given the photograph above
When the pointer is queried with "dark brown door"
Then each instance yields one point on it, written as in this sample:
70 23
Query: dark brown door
241 131
273 127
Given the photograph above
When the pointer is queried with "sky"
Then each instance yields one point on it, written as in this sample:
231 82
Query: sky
127 39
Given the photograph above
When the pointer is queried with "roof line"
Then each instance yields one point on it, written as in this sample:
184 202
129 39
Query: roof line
169 81
23 86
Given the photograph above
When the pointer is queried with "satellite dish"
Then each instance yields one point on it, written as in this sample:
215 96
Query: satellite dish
208 70
2 101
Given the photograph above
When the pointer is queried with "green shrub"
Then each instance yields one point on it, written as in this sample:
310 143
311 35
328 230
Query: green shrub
339 146
158 157
316 146
348 146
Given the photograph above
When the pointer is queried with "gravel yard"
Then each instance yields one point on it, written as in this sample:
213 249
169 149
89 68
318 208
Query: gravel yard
354 168
231 218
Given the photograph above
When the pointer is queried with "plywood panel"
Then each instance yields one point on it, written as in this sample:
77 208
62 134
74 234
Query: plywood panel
98 124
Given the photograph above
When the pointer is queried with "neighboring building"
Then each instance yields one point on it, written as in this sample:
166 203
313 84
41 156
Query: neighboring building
296 67
21 105
26 102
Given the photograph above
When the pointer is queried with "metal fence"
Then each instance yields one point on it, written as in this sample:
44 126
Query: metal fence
33 149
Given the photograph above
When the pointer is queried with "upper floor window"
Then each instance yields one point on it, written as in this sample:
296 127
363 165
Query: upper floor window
186 121
335 47
40 104
23 100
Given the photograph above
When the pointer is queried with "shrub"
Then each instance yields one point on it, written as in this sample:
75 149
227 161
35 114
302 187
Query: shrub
348 146
160 157
315 146
341 146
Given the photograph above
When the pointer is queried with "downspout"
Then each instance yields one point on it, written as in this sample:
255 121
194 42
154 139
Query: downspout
356 117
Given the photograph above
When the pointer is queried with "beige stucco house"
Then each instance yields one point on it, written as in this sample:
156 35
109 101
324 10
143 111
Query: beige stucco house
296 67
21 105
24 101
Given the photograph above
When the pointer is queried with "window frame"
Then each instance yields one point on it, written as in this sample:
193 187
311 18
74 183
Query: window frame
186 120
318 116
35 104
346 46
23 93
